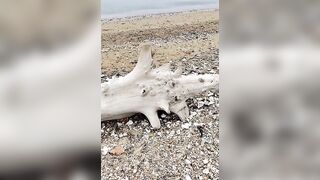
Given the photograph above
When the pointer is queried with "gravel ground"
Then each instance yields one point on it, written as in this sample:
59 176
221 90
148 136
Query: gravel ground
189 149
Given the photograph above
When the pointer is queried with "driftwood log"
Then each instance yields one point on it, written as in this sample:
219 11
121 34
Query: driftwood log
146 90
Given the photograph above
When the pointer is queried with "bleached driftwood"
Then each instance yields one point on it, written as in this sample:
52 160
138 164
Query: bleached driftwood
146 90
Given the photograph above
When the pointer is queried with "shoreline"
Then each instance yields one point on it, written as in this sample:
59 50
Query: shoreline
174 36
168 12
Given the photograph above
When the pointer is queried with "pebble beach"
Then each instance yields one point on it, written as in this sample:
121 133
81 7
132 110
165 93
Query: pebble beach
189 149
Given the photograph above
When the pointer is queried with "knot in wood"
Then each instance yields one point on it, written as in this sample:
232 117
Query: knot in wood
171 84
144 92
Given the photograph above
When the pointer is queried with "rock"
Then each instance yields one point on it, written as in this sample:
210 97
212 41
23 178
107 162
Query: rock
188 177
206 171
206 161
117 151
188 161
171 133
200 104
104 150
211 99
186 126
198 124
123 135
129 123
178 132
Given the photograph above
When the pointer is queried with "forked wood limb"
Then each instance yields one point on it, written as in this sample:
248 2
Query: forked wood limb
146 90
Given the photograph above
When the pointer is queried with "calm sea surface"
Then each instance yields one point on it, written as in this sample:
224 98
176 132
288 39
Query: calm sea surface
123 8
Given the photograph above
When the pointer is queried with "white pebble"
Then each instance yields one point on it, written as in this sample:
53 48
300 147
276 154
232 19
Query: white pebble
171 133
206 171
123 135
129 123
186 126
200 104
105 150
188 177
205 161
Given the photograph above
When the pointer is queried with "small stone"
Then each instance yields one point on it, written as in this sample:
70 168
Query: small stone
206 171
206 161
117 151
129 123
200 104
163 115
171 133
188 161
123 135
207 103
192 114
211 100
144 123
105 150
188 177
200 99
198 124
185 126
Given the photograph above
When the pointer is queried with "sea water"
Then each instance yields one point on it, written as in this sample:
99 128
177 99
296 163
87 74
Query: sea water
125 8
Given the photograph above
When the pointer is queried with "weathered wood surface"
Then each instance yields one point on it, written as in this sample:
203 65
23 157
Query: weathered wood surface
146 90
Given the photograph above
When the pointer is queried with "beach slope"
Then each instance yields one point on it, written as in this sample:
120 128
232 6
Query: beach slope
188 149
